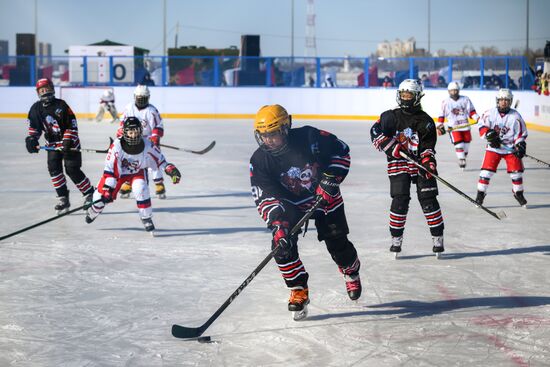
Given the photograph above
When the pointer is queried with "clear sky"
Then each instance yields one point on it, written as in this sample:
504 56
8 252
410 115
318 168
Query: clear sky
343 27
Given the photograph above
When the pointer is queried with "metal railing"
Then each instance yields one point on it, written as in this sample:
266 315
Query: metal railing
220 71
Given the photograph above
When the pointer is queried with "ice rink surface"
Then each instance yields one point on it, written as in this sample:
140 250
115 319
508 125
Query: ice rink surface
107 293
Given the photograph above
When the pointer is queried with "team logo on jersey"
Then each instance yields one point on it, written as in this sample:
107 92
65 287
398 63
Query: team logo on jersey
130 165
52 125
297 179
456 111
58 112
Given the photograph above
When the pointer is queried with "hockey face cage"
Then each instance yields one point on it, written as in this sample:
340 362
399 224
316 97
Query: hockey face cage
132 130
45 91
506 95
283 132
411 86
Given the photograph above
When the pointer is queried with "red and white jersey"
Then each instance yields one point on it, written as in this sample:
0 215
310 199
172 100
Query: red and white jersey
510 128
457 113
119 164
149 117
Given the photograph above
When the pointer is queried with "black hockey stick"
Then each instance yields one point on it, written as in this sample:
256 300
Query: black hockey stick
538 160
183 332
83 207
205 150
81 149
498 215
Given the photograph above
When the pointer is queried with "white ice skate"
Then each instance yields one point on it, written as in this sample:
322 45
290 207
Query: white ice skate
438 248
63 205
396 243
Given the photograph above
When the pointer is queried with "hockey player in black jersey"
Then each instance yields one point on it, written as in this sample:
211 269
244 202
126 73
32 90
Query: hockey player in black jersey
409 130
290 169
54 118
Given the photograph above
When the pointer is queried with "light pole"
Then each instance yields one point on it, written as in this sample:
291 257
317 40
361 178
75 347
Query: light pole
292 30
164 30
429 27
527 31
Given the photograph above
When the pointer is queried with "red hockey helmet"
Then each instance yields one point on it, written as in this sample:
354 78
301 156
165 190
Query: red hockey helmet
45 90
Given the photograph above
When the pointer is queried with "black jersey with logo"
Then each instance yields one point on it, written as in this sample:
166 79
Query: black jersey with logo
56 121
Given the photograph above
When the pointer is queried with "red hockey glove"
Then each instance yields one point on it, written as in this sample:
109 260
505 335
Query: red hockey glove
155 139
173 172
430 164
328 189
107 194
32 144
280 235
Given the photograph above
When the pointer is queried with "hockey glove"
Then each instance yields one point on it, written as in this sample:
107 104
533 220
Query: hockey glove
328 189
441 130
155 139
67 145
280 236
32 144
173 172
492 138
107 194
521 149
430 164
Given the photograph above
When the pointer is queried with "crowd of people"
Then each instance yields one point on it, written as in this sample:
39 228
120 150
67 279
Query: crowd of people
295 171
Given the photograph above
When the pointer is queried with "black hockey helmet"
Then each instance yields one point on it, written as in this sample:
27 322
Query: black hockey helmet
132 130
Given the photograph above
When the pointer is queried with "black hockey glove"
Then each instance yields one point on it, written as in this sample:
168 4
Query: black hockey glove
280 236
328 189
521 149
67 145
107 194
430 164
493 139
173 172
32 144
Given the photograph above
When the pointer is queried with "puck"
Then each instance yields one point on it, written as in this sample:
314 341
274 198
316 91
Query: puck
204 339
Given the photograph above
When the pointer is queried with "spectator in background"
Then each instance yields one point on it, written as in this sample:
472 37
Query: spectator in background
426 82
329 81
387 82
441 82
537 86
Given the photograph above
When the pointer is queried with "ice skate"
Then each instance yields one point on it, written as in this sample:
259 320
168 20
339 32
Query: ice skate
396 245
125 190
89 198
160 190
480 197
89 219
520 198
149 226
63 205
353 286
297 303
462 164
438 248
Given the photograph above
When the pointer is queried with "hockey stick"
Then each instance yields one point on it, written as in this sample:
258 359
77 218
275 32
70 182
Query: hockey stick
83 207
205 150
498 215
461 126
538 160
81 149
183 332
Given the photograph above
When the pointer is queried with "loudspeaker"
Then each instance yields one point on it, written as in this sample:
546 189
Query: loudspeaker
25 44
250 77
250 49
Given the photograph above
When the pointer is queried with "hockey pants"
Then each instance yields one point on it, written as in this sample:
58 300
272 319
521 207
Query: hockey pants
73 162
514 167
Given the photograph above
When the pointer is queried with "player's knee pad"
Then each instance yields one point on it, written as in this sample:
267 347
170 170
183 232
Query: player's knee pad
486 174
515 175
400 204
429 205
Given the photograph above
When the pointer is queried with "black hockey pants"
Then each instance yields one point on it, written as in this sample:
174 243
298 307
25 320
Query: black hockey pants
73 162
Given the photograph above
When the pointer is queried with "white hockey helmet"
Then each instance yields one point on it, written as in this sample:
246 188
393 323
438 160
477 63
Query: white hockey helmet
453 86
141 96
506 94
108 93
413 86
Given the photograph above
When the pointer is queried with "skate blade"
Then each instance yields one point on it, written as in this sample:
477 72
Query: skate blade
152 233
438 255
62 211
300 315
396 255
125 196
161 196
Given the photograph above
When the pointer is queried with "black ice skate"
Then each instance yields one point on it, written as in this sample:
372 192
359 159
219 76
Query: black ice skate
520 198
89 219
396 245
63 205
462 164
480 197
353 286
149 226
88 198
297 303
438 245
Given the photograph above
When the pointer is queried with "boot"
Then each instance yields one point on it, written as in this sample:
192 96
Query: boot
125 190
353 286
160 190
480 197
299 298
520 198
63 205
148 224
438 244
89 198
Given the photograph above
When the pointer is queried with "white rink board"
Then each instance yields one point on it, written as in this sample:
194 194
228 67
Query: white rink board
106 294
